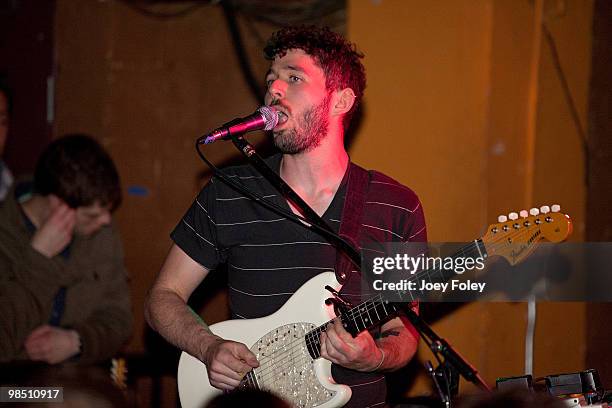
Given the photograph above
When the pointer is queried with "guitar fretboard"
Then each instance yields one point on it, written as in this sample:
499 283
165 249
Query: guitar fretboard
366 315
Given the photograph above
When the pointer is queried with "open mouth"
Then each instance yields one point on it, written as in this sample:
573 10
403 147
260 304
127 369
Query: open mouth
282 117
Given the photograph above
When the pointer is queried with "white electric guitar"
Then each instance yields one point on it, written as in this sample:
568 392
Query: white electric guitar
286 343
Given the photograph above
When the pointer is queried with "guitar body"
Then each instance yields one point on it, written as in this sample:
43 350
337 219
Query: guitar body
278 340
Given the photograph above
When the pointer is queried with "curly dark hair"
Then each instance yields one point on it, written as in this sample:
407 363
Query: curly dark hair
337 57
77 169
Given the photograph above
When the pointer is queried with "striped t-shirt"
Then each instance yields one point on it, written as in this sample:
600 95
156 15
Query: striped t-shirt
268 257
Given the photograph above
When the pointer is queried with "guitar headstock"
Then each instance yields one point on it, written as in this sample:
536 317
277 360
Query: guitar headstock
515 236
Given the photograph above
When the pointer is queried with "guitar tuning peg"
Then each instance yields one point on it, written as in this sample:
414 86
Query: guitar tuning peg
555 208
502 218
534 211
524 214
544 209
513 216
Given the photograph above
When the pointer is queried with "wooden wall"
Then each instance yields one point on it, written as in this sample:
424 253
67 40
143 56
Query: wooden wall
464 105
147 88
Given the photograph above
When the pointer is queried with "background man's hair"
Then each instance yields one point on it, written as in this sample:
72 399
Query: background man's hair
337 57
77 169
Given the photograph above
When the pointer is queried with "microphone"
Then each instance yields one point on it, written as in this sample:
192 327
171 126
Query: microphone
266 118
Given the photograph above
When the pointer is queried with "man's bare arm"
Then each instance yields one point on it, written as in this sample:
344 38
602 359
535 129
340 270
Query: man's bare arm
167 312
166 307
399 342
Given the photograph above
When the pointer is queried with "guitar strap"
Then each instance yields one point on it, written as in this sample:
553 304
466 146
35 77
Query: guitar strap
352 213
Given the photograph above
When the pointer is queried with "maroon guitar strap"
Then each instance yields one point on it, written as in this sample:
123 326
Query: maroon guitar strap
352 214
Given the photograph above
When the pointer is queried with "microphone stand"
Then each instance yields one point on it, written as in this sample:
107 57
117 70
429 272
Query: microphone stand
453 361
440 346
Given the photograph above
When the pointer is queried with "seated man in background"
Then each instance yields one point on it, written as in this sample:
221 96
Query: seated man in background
63 286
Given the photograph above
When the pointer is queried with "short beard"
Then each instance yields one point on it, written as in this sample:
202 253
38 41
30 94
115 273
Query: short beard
310 130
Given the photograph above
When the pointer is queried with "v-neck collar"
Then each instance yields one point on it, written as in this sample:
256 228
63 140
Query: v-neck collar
333 210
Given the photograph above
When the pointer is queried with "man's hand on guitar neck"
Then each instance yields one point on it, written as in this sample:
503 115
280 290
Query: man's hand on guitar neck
363 353
227 362
359 353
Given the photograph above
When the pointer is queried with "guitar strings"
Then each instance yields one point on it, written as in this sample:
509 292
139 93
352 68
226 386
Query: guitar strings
266 371
311 338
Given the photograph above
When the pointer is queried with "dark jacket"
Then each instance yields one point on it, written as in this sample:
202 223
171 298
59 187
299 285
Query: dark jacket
97 303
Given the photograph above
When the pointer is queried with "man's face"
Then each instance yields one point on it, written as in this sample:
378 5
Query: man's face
91 218
4 121
296 87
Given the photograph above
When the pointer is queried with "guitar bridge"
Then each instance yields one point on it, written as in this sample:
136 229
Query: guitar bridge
286 366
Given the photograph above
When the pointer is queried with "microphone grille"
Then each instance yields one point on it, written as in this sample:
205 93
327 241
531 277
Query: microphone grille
270 116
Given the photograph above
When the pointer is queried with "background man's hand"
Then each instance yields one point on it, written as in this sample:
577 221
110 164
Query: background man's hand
227 362
56 232
52 344
360 353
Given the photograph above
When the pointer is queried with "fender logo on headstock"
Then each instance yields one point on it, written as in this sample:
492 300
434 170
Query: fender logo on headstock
515 239
534 236
515 254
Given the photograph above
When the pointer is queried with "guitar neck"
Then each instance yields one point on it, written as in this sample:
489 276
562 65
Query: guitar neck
378 310
365 316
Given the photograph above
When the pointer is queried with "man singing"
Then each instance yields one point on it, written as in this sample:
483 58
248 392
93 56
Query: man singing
315 81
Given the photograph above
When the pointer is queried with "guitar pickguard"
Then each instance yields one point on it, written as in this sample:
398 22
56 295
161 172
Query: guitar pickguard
286 366
287 369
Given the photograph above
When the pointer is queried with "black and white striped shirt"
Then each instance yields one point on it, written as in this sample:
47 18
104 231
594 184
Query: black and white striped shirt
269 257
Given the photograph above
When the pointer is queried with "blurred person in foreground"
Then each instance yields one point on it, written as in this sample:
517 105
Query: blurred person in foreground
248 398
63 286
